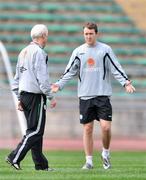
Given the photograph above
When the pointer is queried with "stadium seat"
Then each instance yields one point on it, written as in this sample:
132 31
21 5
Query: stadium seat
15 6
130 51
69 28
59 49
51 7
123 40
140 61
81 8
63 18
14 38
120 29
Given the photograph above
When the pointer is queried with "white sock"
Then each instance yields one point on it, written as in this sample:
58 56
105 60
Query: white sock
89 160
105 152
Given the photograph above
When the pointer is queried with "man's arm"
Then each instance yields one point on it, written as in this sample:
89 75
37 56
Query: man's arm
15 87
70 71
118 72
42 76
15 83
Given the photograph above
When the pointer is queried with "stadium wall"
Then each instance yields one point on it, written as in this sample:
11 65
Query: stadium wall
63 122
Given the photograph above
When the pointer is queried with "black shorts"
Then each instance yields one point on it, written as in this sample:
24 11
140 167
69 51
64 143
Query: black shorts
95 108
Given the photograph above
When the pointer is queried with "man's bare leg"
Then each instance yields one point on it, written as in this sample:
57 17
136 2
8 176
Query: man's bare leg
88 143
106 139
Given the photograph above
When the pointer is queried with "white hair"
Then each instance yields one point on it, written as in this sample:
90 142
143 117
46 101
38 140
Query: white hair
38 31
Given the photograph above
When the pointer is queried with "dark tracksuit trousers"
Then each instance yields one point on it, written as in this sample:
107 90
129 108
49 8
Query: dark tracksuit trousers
35 113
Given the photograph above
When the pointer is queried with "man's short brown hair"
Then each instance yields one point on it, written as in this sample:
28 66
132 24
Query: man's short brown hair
91 25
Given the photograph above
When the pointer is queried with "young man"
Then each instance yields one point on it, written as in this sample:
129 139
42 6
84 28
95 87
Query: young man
94 62
32 86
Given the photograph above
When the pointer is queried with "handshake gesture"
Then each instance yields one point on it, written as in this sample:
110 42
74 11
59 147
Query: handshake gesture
54 88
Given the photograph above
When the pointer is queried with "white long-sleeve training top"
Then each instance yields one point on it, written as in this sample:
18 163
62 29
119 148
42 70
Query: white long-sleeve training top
32 71
94 66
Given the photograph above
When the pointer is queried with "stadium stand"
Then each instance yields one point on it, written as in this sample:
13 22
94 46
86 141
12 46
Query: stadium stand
136 10
24 15
64 20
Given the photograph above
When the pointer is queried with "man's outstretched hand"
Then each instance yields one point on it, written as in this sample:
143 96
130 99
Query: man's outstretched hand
54 88
129 88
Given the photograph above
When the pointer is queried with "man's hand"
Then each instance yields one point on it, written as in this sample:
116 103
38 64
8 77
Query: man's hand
53 103
20 108
129 88
54 88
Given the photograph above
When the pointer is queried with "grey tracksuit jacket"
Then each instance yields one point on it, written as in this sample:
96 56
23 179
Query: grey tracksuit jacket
32 71
94 66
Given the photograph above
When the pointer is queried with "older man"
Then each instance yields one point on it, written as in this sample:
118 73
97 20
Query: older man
32 87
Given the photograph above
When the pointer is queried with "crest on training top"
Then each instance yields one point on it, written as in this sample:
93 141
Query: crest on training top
91 63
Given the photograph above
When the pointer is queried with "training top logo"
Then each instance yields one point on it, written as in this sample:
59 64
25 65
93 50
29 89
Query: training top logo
91 63
91 66
22 69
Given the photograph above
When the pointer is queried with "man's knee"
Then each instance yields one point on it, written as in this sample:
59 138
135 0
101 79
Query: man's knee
106 126
88 128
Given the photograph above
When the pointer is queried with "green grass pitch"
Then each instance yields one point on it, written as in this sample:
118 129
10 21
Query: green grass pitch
67 164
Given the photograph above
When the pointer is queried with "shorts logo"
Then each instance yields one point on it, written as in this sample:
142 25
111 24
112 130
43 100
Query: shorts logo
45 107
81 116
